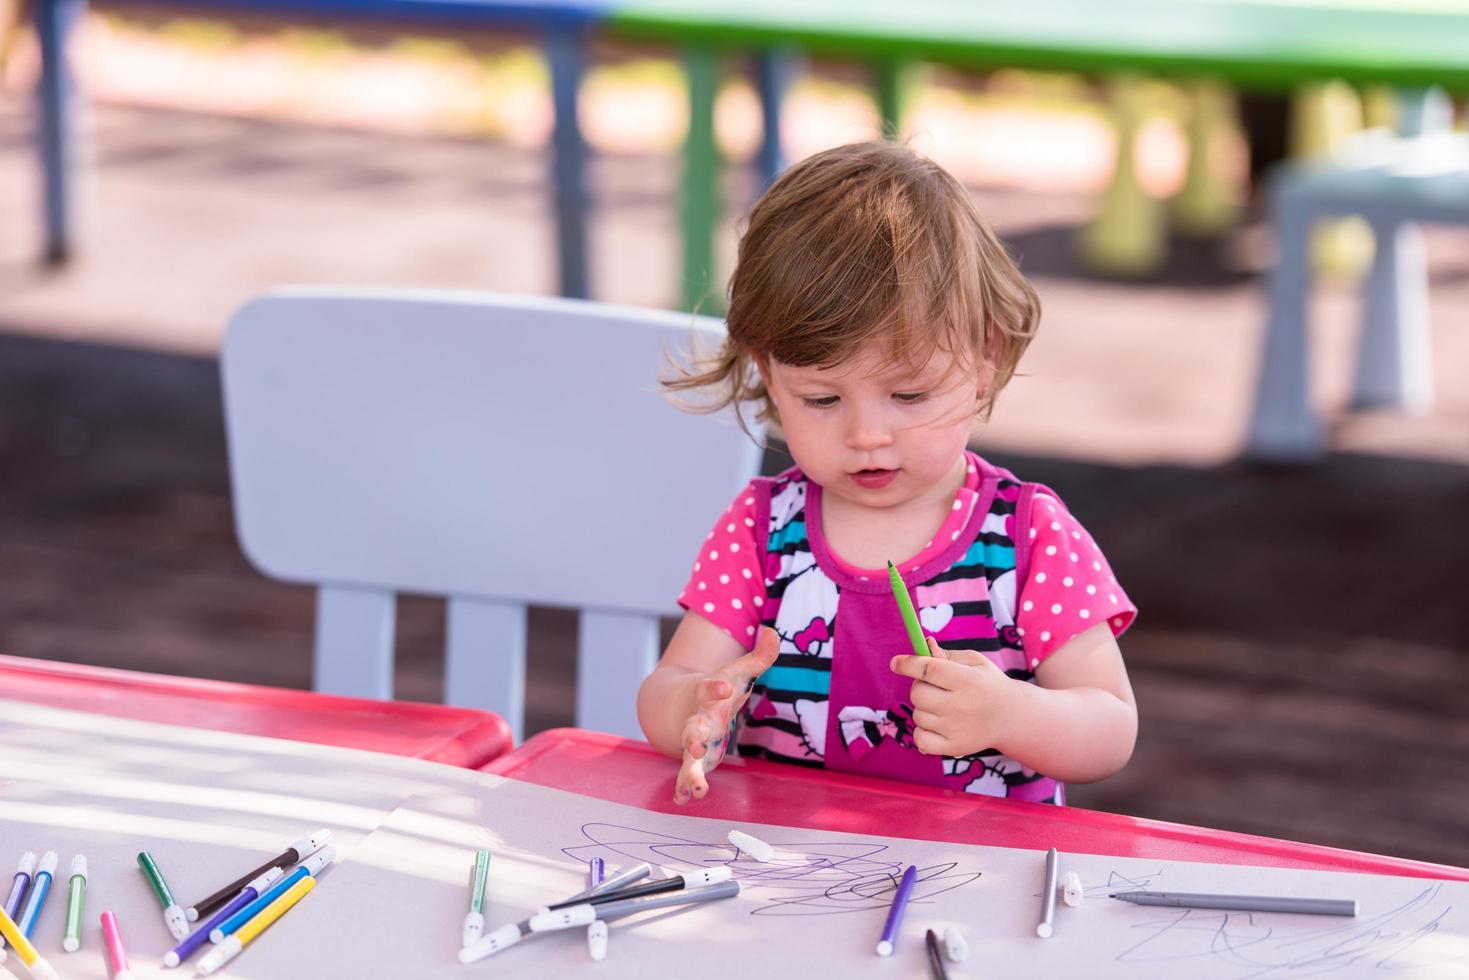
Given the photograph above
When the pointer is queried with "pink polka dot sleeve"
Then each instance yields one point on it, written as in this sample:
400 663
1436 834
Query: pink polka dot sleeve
727 585
1070 588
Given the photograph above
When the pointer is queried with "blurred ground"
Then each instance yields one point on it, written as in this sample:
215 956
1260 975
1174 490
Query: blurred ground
1301 656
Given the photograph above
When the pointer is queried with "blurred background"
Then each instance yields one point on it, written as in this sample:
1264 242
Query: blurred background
1301 660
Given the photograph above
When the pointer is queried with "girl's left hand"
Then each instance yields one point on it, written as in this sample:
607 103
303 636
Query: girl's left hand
962 702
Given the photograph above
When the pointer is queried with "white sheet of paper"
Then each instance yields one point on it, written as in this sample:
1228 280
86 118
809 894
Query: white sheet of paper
818 907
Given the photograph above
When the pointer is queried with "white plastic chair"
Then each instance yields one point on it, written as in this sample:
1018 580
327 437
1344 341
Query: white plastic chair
496 450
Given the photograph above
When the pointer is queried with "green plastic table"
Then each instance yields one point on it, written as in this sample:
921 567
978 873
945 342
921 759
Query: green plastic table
1262 44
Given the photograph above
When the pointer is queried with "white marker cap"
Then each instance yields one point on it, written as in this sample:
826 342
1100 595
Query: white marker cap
307 846
263 881
706 876
79 865
597 940
954 945
191 913
474 927
3 955
753 846
27 864
48 863
178 925
502 938
1071 891
884 948
317 863
577 915
170 959
1044 930
219 956
41 970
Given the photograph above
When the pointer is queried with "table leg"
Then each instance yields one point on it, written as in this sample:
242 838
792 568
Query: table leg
1394 364
565 50
1128 235
701 185
1282 428
55 24
775 70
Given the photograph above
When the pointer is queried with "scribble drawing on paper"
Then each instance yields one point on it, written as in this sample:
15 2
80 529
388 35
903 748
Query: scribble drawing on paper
809 878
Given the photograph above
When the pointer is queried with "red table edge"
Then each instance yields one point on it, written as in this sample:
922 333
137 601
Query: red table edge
465 749
520 764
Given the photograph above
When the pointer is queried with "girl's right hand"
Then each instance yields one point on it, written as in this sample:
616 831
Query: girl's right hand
720 696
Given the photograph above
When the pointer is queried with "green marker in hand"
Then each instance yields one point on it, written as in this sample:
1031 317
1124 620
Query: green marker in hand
905 606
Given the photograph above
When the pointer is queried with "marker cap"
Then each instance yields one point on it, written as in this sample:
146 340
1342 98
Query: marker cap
79 865
707 876
502 938
178 925
577 915
954 945
307 846
41 970
597 940
474 927
27 864
48 864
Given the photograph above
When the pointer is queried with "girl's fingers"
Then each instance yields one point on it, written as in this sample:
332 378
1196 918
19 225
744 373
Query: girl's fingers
712 690
928 720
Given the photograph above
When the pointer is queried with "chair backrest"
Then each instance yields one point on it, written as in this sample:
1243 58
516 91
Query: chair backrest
497 450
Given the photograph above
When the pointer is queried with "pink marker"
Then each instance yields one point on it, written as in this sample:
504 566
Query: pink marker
117 955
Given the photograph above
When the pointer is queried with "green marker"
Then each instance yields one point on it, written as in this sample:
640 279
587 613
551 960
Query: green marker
173 916
474 922
73 940
905 606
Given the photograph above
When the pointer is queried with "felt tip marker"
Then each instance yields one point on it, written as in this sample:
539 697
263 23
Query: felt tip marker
1047 926
10 929
585 915
76 894
173 916
297 852
905 609
231 947
45 872
18 886
502 938
890 928
117 954
686 879
474 920
310 868
200 936
618 881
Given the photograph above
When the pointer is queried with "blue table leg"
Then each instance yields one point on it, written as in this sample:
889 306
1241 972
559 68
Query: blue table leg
775 70
565 50
55 20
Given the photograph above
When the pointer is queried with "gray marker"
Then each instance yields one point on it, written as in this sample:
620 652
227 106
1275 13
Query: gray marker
1048 898
1242 903
620 880
581 915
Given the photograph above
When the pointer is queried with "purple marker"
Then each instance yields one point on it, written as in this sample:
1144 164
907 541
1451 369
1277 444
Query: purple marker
200 935
597 931
19 884
895 914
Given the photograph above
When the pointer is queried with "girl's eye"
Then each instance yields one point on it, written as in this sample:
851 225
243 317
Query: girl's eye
910 397
825 401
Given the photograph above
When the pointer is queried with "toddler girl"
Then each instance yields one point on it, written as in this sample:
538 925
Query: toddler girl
874 318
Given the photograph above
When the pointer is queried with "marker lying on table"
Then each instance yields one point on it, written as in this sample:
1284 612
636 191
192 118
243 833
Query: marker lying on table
200 936
173 916
618 881
37 897
895 914
905 607
230 948
76 894
582 915
1046 926
474 922
310 868
679 882
40 969
597 931
936 970
117 954
297 852
1242 903
18 885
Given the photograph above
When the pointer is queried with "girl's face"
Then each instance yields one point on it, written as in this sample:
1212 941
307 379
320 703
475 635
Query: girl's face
874 433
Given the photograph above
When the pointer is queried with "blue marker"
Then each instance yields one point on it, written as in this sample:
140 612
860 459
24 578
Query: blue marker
37 897
311 866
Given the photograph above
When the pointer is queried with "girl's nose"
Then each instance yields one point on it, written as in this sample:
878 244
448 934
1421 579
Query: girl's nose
867 431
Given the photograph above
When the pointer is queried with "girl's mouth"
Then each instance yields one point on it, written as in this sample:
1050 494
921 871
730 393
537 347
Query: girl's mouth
873 479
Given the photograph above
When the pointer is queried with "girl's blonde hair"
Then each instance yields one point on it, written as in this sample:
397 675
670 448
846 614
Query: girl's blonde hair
861 243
